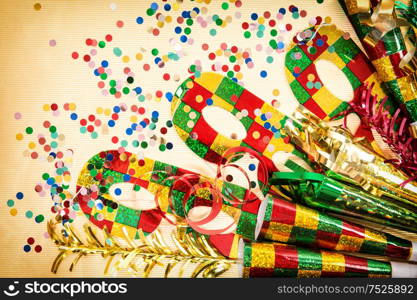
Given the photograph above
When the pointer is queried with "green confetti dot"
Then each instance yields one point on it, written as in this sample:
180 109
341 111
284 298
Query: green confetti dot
29 214
112 83
274 32
135 143
117 51
102 44
247 34
232 59
273 44
162 147
230 74
29 130
225 5
10 203
94 135
150 11
187 30
103 76
52 129
189 22
45 176
112 90
39 218
154 52
219 22
144 145
126 90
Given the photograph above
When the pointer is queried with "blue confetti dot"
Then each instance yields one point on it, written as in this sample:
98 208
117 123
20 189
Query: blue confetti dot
118 192
280 45
26 248
104 63
116 109
109 156
267 125
74 116
111 123
183 38
154 5
209 101
129 131
167 7
282 11
126 177
320 42
138 90
263 74
252 167
19 195
169 146
178 30
169 96
155 114
254 16
139 20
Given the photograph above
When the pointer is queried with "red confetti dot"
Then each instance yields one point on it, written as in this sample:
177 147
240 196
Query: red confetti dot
38 248
288 27
46 124
141 110
115 140
118 95
159 94
109 38
225 68
88 42
126 70
166 76
115 116
59 154
238 3
303 13
155 31
74 55
87 58
146 67
134 108
91 118
236 68
101 70
101 84
90 128
30 240
54 106
141 162
245 25
180 20
267 15
42 141
119 24
212 56
163 130
83 122
205 47
47 148
97 123
272 23
234 49
34 155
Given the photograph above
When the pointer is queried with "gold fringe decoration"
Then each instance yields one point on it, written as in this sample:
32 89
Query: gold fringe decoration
140 260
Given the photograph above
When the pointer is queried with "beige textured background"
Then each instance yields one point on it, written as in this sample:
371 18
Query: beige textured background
32 74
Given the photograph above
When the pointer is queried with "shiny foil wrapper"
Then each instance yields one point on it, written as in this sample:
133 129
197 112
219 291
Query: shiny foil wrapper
386 45
354 164
281 260
292 223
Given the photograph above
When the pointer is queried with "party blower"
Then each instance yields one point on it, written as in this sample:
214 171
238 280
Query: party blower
300 143
177 191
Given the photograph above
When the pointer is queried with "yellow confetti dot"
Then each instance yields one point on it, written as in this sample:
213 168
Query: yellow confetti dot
107 112
46 107
125 59
31 145
219 52
275 92
133 119
37 6
165 58
13 212
199 98
175 6
327 20
58 179
261 20
139 56
67 177
190 84
239 76
256 135
19 136
187 109
72 106
311 77
168 19
99 110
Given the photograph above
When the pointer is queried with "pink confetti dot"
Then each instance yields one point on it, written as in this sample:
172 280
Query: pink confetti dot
17 115
52 43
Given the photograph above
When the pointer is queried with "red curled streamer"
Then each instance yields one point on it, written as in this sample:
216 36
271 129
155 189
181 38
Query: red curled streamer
374 115
212 186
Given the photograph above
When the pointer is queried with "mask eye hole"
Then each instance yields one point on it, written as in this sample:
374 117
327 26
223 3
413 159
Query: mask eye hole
337 83
125 194
224 122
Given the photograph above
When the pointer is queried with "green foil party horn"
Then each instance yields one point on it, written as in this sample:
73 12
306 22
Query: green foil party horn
322 192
